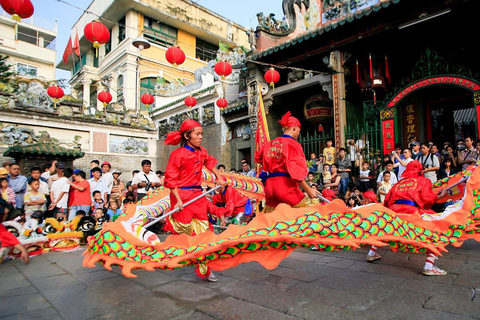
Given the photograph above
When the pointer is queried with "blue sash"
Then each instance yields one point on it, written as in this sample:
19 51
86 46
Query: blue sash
407 202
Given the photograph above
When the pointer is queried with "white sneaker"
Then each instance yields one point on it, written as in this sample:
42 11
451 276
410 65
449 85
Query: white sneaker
434 271
371 258
211 277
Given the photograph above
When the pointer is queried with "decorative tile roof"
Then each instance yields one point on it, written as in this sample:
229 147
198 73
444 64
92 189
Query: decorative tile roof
234 107
43 149
325 28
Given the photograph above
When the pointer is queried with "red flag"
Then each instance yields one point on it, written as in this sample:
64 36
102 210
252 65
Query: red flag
76 45
262 136
68 51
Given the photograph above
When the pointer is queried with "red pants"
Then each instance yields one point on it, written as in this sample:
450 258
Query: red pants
282 190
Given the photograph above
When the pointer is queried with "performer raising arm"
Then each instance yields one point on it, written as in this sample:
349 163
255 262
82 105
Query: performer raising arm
184 176
285 167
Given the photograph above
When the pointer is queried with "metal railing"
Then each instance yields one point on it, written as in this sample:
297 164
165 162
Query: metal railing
315 142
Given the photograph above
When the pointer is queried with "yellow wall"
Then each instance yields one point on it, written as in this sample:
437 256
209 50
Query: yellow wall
187 42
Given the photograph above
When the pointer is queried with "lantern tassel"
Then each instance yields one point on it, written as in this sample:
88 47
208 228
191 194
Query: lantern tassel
371 67
358 74
387 70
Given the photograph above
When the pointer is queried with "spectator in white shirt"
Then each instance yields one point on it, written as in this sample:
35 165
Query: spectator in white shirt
246 171
402 164
59 190
97 184
107 177
388 167
145 180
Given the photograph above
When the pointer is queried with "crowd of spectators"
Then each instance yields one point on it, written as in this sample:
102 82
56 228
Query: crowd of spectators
63 192
350 175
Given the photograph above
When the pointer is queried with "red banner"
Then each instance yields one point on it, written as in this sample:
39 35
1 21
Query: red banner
262 136
388 136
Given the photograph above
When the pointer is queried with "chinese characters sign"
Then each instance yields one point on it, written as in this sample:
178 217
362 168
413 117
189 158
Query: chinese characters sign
388 129
410 122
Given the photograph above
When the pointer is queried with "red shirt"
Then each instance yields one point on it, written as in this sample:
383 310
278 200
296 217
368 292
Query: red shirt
184 167
6 238
234 201
80 198
418 190
284 154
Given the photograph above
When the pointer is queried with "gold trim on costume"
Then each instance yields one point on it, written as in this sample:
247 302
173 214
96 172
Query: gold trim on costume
195 226
306 202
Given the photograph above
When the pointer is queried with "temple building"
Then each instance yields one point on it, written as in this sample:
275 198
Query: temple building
380 71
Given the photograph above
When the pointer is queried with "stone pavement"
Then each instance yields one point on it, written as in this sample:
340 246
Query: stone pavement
307 285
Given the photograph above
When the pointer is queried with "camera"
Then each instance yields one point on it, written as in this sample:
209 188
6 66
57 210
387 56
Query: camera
148 185
461 147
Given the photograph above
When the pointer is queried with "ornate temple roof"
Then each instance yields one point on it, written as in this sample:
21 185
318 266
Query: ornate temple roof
45 149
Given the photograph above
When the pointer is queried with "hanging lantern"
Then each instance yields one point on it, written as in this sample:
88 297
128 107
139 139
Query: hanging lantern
147 99
19 9
272 76
55 93
97 33
175 55
105 97
222 103
223 69
190 101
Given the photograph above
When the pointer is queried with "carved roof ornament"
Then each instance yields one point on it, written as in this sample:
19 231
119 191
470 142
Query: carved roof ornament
285 26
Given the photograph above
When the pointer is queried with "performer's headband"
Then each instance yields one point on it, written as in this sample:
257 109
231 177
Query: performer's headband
174 138
289 121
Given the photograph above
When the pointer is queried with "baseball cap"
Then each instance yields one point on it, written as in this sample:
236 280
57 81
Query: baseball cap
370 196
61 165
415 143
106 163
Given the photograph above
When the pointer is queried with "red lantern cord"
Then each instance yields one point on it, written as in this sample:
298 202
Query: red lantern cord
371 67
105 97
222 103
175 55
147 99
387 70
223 69
190 101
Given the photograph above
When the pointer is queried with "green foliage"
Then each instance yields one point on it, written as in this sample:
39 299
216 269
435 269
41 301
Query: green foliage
7 76
223 46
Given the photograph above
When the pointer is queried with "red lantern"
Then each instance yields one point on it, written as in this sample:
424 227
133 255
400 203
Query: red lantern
272 76
97 33
223 69
222 103
175 55
147 99
55 93
190 101
19 9
105 97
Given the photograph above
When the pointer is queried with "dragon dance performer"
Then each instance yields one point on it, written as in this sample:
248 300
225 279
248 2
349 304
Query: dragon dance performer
9 240
413 195
183 176
237 205
285 168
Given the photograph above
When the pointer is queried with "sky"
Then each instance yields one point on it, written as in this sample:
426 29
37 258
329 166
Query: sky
242 12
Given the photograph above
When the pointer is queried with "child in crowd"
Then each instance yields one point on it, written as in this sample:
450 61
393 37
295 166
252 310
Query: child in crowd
33 199
327 176
364 177
8 200
98 202
329 152
312 163
114 211
385 185
352 202
101 216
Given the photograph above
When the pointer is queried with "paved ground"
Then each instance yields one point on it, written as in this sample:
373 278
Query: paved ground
307 285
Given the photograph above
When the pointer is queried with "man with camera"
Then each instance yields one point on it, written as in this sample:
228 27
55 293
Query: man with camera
145 180
468 155
429 162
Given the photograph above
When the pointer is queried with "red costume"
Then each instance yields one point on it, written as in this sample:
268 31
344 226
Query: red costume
234 202
413 193
184 172
284 160
6 238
